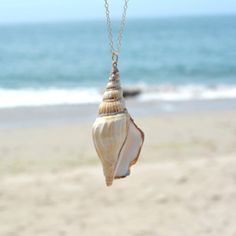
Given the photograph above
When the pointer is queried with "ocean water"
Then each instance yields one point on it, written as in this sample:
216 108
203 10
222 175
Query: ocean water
170 59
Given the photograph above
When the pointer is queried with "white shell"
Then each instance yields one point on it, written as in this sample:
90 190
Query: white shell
130 151
117 139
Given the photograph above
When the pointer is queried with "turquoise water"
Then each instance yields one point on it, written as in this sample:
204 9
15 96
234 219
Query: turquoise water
196 51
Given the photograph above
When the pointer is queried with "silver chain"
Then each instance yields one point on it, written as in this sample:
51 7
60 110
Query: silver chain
116 51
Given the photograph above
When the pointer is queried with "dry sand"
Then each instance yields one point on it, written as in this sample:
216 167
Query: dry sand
51 181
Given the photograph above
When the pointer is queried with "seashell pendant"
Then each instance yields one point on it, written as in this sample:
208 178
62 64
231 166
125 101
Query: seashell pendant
117 139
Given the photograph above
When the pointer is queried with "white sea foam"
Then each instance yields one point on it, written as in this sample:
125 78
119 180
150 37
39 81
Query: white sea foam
31 97
188 92
55 96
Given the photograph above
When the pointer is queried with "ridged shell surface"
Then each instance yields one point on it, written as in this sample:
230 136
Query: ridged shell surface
117 139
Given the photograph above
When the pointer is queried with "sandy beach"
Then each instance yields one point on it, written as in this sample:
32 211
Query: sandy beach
51 181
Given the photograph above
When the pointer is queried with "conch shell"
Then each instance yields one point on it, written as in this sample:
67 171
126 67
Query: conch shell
117 139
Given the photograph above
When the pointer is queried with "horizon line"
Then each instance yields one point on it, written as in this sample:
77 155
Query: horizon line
71 20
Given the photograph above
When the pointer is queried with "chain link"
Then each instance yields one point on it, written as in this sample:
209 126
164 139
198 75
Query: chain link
116 51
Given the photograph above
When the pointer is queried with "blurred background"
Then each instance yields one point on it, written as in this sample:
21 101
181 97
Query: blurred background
178 71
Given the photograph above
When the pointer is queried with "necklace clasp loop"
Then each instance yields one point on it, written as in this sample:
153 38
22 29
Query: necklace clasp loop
115 57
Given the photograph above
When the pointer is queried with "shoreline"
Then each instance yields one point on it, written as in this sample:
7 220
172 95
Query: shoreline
30 97
63 114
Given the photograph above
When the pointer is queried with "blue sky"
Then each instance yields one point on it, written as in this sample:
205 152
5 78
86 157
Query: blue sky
59 10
